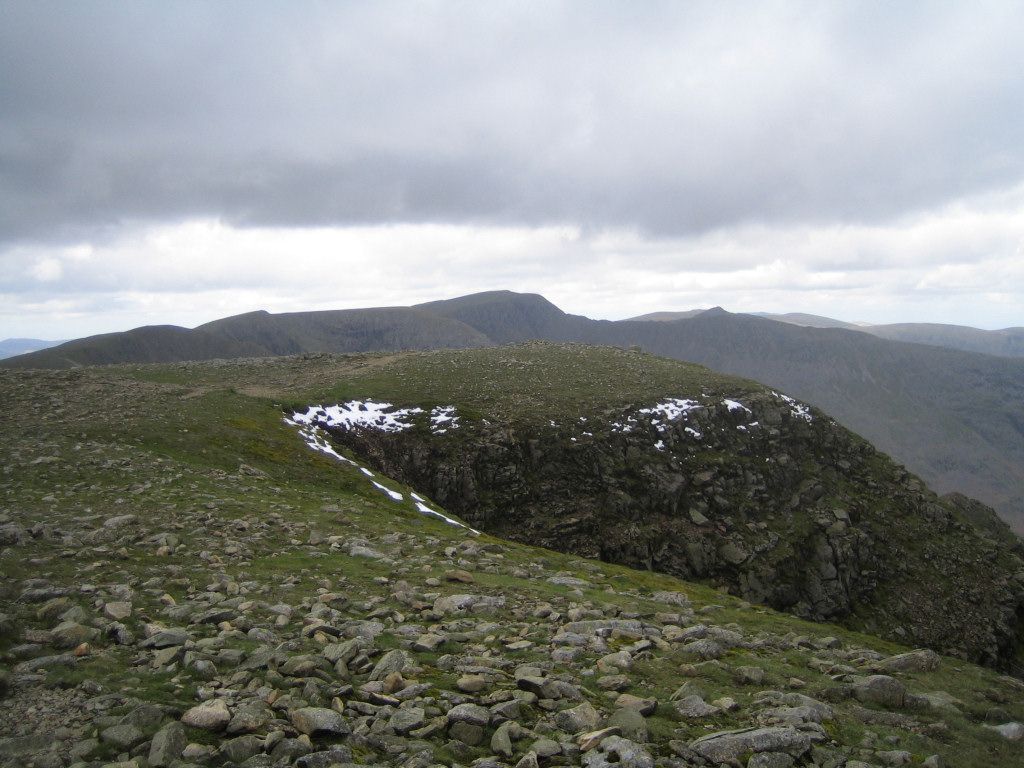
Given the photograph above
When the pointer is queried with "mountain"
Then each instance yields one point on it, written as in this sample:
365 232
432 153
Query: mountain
12 347
661 317
953 417
261 334
186 581
813 321
149 344
1007 342
353 330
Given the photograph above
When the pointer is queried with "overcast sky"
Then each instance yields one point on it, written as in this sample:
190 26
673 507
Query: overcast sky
177 162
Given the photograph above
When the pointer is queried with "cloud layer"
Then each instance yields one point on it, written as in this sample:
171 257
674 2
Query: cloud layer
549 146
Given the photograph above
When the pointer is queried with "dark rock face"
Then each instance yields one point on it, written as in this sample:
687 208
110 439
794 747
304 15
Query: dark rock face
782 506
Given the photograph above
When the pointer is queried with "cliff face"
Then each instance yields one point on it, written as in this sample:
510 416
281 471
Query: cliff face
759 495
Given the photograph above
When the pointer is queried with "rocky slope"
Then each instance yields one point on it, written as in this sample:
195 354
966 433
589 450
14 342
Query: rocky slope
712 478
186 583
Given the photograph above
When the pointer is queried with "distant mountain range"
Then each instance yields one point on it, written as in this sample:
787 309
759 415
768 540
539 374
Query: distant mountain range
954 417
12 347
1005 342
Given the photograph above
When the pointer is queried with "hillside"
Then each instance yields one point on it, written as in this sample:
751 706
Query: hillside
186 582
1006 342
955 418
668 466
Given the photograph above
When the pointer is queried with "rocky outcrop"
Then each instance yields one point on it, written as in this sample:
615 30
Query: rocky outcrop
758 494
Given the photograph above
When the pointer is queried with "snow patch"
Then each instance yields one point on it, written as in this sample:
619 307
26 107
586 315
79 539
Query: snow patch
314 438
393 494
735 405
365 414
443 418
669 410
421 505
799 410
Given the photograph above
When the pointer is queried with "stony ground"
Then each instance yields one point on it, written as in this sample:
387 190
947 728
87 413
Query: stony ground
185 583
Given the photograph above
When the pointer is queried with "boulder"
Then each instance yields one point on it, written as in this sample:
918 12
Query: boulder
578 719
921 660
212 715
724 746
883 690
167 746
319 720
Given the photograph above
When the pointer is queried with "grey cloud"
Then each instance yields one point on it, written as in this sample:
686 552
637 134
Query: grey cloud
670 118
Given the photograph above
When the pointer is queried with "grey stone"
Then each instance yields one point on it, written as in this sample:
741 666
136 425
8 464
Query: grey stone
467 733
168 744
921 660
582 717
501 741
117 610
544 748
617 751
165 638
462 604
241 748
704 650
212 715
473 714
694 707
311 720
407 719
305 665
724 746
1009 731
69 634
123 736
630 724
392 661
770 760
336 755
882 690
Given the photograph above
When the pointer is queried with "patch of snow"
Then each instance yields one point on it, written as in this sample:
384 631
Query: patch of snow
734 405
799 410
393 494
421 506
669 410
443 418
694 432
660 445
314 438
367 414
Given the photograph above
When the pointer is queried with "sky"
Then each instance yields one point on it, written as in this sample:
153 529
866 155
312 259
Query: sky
179 162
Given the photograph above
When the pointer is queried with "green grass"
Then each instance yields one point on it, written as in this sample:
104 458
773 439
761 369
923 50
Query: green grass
186 429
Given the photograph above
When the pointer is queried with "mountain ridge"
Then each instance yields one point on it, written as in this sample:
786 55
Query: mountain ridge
956 418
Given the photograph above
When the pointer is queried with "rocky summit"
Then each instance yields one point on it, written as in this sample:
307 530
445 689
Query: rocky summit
196 573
